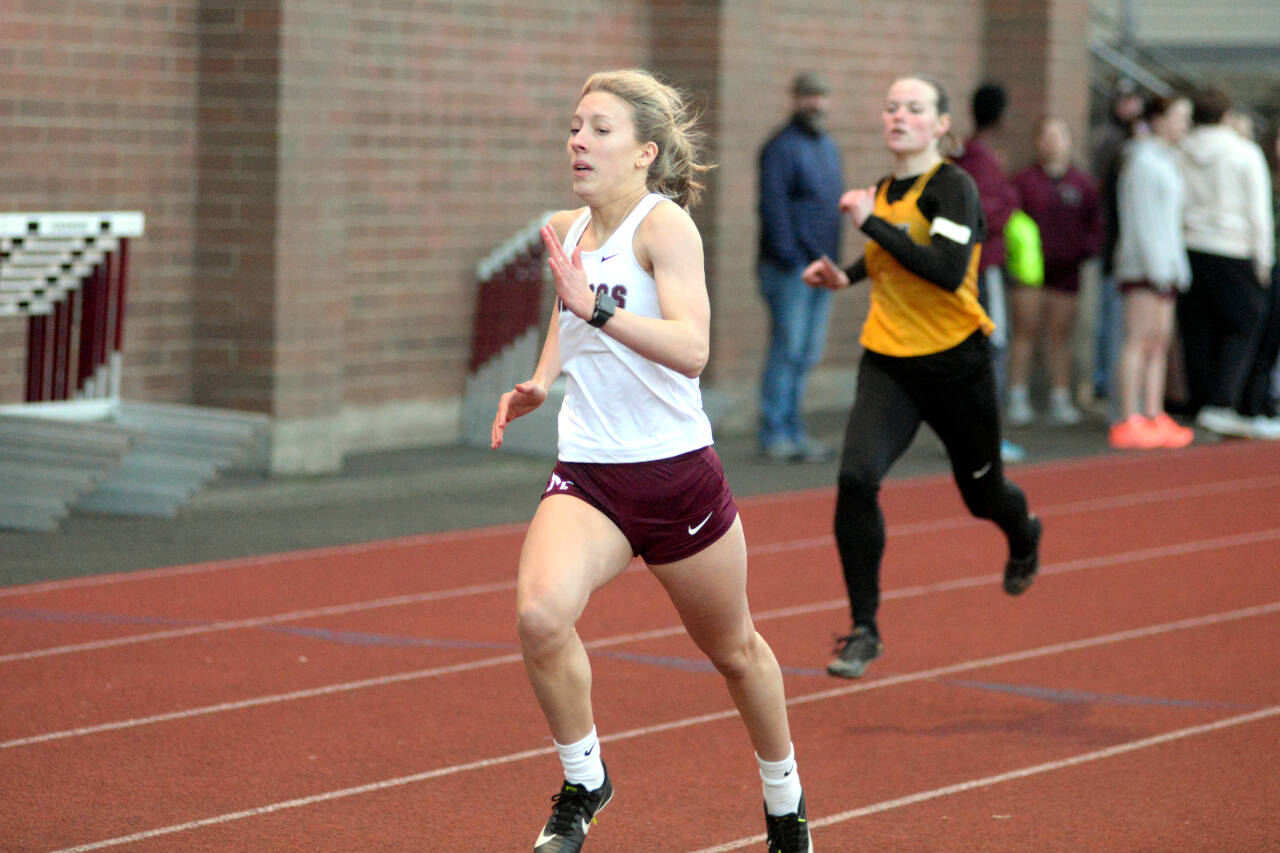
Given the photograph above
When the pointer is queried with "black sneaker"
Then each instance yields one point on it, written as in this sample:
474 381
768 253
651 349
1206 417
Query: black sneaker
853 652
573 810
788 833
1019 572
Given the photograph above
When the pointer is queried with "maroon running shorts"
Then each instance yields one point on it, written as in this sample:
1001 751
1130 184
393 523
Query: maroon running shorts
668 509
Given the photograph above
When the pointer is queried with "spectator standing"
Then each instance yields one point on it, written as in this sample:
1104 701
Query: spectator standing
1064 203
1151 269
1125 122
800 186
980 157
1231 246
1263 385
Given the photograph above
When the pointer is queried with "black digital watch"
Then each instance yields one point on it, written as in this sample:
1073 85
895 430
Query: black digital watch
605 306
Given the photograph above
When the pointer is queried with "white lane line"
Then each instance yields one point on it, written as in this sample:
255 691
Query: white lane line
640 636
1022 773
259 621
265 559
687 722
508 529
502 586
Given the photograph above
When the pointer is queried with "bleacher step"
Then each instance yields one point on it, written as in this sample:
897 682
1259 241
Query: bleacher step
116 457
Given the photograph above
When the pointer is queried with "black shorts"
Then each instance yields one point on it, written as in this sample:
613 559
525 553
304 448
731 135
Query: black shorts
668 509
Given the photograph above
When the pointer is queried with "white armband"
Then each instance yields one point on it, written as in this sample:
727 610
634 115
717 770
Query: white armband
953 231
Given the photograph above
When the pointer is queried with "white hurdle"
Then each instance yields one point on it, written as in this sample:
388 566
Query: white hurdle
66 272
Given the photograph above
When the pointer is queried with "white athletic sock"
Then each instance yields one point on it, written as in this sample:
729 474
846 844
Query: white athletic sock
1019 394
781 784
581 760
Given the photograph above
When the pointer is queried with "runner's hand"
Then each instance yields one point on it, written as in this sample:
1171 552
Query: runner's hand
570 276
858 204
823 273
519 401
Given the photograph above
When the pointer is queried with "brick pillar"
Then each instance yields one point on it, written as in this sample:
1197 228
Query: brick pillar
1038 49
236 181
270 307
311 302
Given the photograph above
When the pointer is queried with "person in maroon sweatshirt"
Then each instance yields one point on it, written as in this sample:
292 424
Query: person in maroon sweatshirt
980 158
1065 203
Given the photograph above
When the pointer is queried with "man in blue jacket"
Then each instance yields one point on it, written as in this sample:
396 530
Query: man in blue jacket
800 188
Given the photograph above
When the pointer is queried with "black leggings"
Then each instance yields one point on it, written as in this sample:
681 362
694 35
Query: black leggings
954 393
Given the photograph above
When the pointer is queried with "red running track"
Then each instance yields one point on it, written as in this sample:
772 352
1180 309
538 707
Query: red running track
371 697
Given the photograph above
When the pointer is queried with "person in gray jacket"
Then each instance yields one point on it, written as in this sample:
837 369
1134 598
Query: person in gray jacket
1151 269
1230 245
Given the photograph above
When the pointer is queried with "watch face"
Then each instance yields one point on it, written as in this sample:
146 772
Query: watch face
605 306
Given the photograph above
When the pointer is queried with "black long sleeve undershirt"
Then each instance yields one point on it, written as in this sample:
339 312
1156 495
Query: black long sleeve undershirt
951 194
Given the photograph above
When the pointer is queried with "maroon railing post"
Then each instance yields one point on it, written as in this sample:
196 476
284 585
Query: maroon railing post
37 344
62 314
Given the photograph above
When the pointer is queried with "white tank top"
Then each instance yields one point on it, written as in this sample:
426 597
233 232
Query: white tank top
618 405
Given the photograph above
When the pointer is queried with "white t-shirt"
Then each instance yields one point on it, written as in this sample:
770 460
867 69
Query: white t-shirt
618 405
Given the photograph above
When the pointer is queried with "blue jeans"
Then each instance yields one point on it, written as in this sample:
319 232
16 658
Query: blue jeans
797 331
1108 339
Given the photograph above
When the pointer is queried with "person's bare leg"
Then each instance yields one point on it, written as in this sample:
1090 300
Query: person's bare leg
709 591
571 550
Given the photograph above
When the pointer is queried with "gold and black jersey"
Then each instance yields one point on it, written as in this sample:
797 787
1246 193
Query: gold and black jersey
922 260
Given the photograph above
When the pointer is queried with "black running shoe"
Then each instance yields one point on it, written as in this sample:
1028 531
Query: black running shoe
1019 572
573 810
853 652
788 833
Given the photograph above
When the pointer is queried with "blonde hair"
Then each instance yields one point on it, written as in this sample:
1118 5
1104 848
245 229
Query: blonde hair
662 116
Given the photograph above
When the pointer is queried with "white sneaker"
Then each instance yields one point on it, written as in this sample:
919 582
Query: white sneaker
1225 421
1062 413
1265 428
1019 413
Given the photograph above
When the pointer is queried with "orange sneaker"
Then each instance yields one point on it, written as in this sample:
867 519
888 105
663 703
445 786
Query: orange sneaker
1135 433
1174 434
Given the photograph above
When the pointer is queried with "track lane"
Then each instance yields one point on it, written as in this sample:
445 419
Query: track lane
912 735
966 595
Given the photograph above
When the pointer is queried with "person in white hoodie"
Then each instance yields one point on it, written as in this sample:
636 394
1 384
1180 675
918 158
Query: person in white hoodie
1151 269
1230 245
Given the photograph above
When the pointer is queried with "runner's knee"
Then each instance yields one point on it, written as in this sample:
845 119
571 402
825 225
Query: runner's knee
541 625
856 489
734 661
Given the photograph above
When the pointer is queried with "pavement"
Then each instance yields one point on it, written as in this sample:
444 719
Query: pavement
415 491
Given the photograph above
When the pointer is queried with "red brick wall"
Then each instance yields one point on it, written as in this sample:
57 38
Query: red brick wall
455 118
97 112
320 179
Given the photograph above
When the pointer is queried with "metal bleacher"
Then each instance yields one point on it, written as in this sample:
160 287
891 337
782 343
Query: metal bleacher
73 443
507 334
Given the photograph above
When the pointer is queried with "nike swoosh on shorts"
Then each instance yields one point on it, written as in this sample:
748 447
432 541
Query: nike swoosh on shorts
694 528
